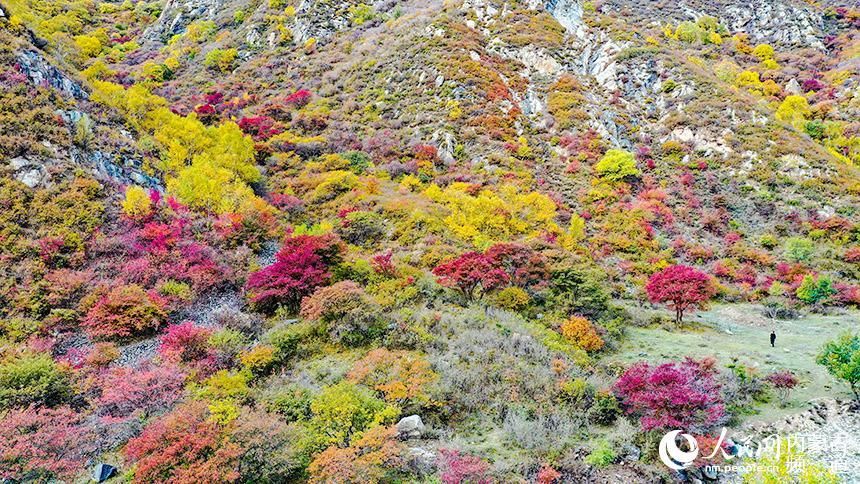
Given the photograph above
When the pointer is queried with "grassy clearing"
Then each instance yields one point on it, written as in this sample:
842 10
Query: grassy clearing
740 331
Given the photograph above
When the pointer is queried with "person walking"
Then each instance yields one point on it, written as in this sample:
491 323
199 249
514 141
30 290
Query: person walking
772 339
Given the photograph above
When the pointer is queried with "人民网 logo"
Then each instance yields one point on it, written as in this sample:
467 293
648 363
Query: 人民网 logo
673 456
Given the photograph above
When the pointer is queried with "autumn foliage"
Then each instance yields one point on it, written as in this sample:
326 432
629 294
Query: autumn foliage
124 312
783 382
674 395
185 342
399 375
681 287
349 315
368 460
300 267
581 332
472 274
458 467
147 313
332 302
525 267
145 390
184 446
43 443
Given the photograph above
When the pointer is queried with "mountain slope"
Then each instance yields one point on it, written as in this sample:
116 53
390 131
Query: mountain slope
255 240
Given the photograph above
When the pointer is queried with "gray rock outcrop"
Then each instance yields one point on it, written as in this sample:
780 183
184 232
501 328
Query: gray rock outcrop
410 427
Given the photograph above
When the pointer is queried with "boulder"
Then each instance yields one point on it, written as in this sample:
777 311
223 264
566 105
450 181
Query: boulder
40 72
19 163
630 453
421 461
32 178
410 427
793 87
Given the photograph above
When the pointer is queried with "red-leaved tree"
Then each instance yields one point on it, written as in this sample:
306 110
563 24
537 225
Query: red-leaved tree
673 395
184 447
186 343
41 444
147 389
783 382
260 128
525 266
681 287
299 98
124 312
547 475
470 272
301 266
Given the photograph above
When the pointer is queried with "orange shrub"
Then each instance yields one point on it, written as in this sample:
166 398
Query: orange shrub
582 333
368 460
399 375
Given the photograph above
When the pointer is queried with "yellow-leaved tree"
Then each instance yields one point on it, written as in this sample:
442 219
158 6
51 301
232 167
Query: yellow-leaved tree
137 203
793 110
206 167
484 216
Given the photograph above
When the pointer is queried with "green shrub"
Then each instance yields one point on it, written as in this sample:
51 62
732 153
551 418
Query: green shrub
176 289
359 161
286 339
579 290
30 378
350 316
362 228
604 409
361 13
813 290
815 129
340 411
709 23
841 357
512 298
616 165
577 391
634 52
333 184
358 270
798 249
221 59
228 341
602 456
688 32
18 329
292 403
768 241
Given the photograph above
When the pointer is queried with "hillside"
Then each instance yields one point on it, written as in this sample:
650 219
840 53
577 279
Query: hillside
423 241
